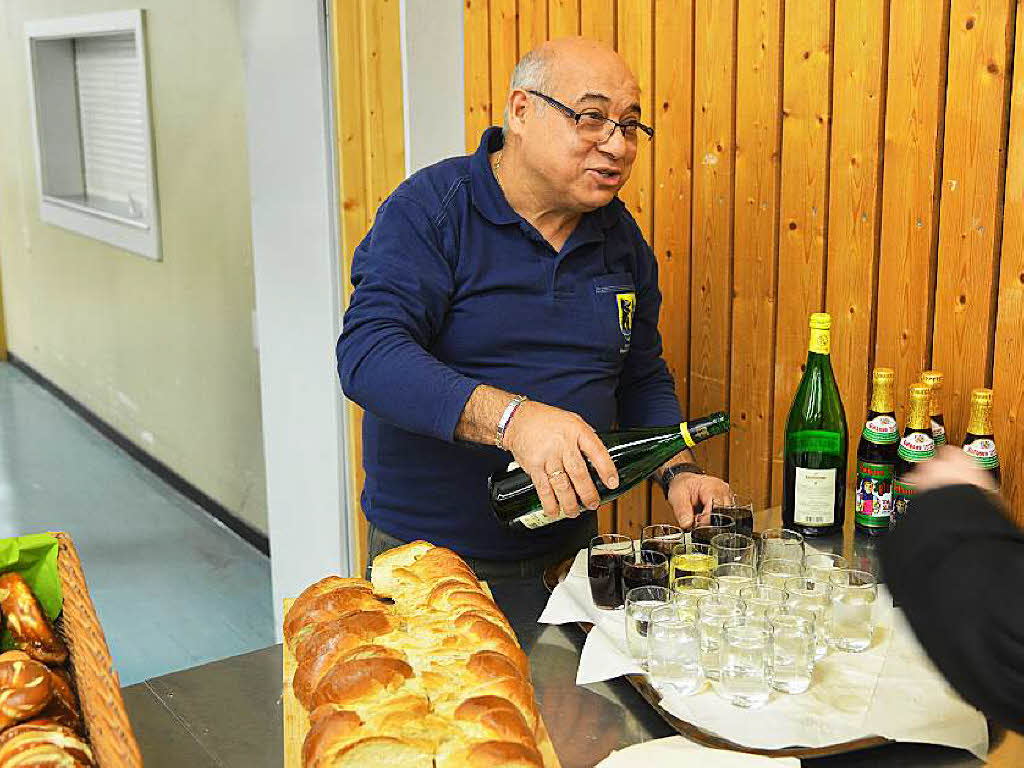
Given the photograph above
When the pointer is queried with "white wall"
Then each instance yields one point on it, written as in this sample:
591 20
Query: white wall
298 281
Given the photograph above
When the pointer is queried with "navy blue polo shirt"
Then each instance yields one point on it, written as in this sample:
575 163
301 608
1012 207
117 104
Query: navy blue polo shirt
454 289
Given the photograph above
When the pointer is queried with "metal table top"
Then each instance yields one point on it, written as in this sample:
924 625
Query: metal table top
228 713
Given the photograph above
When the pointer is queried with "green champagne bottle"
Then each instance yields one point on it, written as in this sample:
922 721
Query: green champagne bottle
637 453
814 480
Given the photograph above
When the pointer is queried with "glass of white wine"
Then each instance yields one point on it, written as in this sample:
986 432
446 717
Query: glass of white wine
692 559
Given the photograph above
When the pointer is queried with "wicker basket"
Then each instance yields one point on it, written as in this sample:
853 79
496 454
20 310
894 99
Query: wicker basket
99 689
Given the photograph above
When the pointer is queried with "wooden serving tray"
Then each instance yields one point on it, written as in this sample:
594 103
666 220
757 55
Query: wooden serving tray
296 718
555 574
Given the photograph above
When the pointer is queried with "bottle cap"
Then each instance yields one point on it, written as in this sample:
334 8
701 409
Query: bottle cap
883 374
821 321
981 396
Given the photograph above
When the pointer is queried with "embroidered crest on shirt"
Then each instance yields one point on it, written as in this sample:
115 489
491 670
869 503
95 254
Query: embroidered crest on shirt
626 303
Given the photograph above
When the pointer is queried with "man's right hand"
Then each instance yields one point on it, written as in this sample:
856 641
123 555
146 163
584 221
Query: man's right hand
550 445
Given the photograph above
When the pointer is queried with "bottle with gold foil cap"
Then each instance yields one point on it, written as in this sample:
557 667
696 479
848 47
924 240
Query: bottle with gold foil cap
816 443
916 446
979 442
876 458
933 380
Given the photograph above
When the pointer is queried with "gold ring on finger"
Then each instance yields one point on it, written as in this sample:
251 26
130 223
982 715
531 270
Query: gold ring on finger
556 473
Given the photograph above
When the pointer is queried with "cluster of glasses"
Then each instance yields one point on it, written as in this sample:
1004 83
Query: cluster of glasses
750 614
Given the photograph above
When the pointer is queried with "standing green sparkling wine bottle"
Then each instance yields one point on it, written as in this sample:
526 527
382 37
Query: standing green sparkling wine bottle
814 481
637 453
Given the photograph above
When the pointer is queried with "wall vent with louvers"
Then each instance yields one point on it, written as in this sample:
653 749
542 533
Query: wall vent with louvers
90 112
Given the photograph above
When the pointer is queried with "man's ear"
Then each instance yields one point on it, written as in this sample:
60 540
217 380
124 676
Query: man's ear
518 110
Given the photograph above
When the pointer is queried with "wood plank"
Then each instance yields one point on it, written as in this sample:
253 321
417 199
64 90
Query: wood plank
980 35
672 148
858 98
606 518
805 136
533 25
476 44
1009 343
563 17
355 214
636 45
758 136
913 138
597 20
713 144
383 121
503 54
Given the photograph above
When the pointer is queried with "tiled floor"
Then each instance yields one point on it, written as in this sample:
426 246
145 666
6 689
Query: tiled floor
173 587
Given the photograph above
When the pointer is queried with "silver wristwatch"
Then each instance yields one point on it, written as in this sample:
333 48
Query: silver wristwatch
506 417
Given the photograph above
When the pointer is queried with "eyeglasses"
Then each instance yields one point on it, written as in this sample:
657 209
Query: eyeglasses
594 127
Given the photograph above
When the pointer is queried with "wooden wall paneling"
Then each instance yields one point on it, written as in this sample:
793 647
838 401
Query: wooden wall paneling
477 65
1008 385
636 45
755 238
672 148
503 34
980 36
563 17
533 25
802 203
384 121
597 20
858 114
913 144
711 275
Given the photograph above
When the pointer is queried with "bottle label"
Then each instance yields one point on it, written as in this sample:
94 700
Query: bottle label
882 430
815 496
902 497
983 451
939 433
814 441
873 500
916 447
539 519
821 341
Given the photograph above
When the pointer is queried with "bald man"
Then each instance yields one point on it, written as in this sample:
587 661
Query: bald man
506 307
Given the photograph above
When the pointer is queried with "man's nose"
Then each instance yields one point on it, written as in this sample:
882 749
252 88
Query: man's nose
615 145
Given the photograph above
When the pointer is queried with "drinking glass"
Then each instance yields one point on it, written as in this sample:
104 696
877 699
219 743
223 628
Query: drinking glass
758 598
811 599
689 559
687 590
734 548
605 557
673 650
740 509
851 624
640 601
646 568
781 542
746 658
775 571
792 650
717 523
732 577
818 565
712 612
661 538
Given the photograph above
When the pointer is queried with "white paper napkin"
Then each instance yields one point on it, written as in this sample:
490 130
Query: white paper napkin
674 750
890 690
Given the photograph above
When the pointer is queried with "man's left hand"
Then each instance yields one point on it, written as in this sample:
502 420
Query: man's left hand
691 494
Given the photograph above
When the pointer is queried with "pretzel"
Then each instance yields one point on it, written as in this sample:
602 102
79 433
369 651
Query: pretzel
28 625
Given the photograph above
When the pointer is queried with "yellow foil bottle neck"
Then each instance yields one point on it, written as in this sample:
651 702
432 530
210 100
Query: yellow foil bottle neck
917 413
981 413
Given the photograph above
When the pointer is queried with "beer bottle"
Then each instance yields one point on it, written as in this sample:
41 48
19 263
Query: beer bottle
816 443
637 453
876 458
916 446
933 380
979 443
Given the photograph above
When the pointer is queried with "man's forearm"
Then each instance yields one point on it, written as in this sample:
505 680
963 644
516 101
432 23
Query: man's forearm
483 411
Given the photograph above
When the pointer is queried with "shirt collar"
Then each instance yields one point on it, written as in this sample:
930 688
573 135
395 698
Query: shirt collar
490 200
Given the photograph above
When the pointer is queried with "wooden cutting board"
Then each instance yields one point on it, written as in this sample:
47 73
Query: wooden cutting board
296 718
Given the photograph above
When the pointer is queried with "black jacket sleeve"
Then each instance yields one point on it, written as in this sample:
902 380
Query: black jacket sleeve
955 565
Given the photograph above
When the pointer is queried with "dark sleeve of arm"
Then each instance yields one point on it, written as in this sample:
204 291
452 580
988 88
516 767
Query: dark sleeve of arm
403 286
955 565
647 392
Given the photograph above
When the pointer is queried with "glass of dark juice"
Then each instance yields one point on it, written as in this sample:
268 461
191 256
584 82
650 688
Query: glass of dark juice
715 524
741 510
661 538
646 569
606 555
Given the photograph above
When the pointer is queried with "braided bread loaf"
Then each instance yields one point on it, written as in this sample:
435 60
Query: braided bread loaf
419 668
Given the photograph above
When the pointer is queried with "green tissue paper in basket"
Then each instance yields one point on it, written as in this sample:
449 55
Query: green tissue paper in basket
35 558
